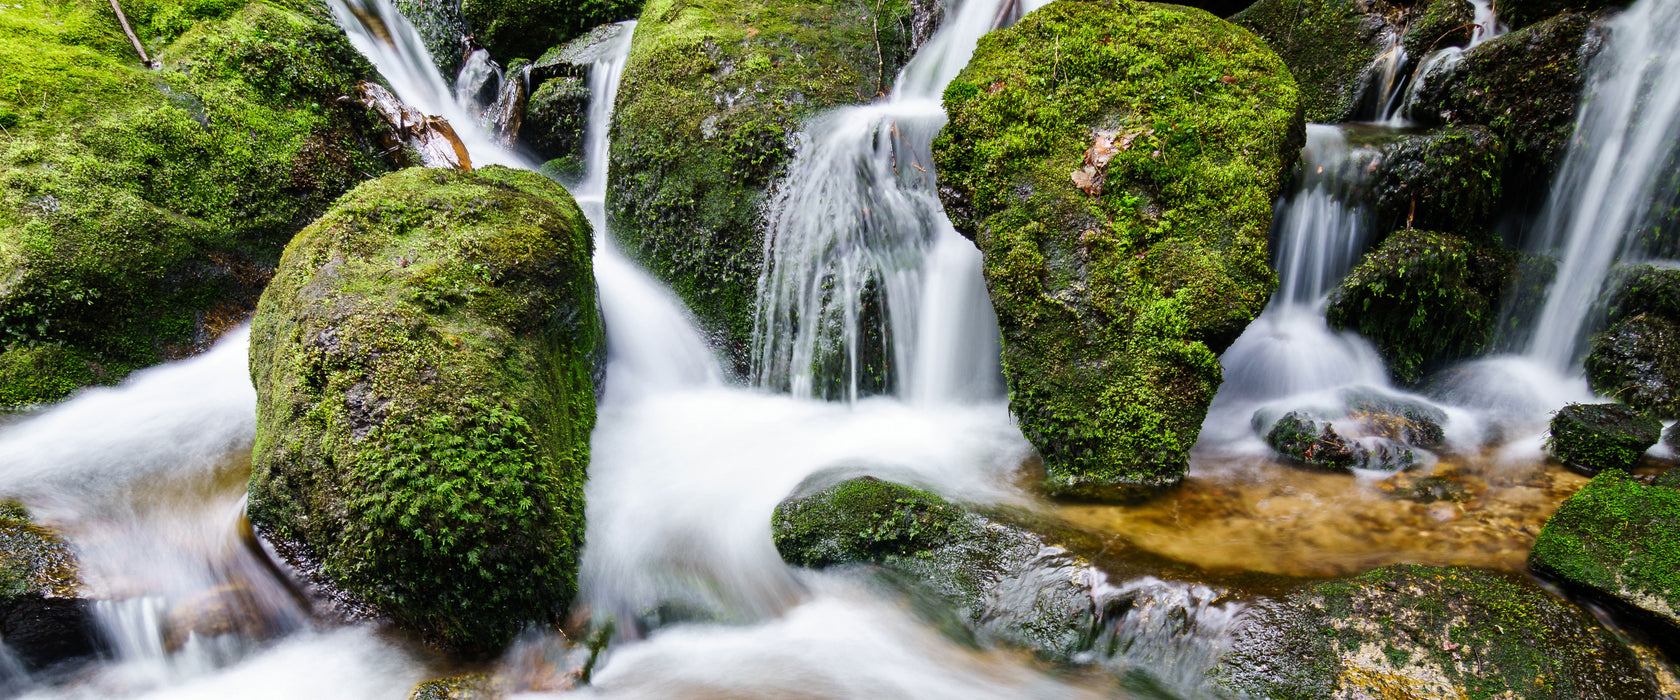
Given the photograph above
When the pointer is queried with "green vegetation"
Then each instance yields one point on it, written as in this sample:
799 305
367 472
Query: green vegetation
140 210
1618 538
1117 283
1637 361
1417 631
1445 180
862 520
1596 437
424 363
1328 44
1424 298
33 561
526 28
1522 13
711 93
1442 24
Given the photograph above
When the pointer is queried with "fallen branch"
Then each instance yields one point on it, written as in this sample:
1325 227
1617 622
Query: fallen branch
138 48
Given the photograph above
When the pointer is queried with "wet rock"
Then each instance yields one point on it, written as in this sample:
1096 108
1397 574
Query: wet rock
1328 44
433 139
526 28
708 103
1445 180
558 111
1114 303
1522 13
1439 25
1415 631
449 319
1645 289
1300 438
1524 86
1595 437
1424 298
1671 437
1637 360
442 28
1007 583
218 612
473 686
1412 422
44 619
143 209
1618 539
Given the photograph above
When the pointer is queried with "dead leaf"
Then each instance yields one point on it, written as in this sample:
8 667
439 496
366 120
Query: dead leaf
1088 180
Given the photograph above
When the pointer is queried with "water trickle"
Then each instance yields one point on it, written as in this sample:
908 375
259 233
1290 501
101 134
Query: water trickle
1623 151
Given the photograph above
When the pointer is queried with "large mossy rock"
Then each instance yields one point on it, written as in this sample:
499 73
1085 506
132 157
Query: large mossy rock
1596 437
1522 13
1115 162
1006 583
557 114
513 29
1525 86
1446 180
44 618
424 365
711 94
1637 360
1619 540
141 210
1424 299
1424 632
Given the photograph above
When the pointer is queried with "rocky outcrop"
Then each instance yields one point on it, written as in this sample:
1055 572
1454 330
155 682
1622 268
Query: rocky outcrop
1618 539
1522 13
1123 222
1595 437
557 113
44 618
424 365
513 29
141 211
708 102
1424 299
1637 358
1425 632
1445 180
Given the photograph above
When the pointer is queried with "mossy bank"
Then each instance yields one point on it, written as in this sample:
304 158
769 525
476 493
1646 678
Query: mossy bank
1115 162
142 210
424 362
711 95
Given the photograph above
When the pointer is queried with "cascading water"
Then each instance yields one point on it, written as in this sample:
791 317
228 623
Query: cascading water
1623 149
867 289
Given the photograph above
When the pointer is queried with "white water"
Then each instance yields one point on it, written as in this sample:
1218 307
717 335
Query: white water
866 287
1627 128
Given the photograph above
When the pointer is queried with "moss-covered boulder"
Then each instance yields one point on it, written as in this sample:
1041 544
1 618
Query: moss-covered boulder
710 96
43 616
1637 360
999 577
1522 13
442 28
1446 180
424 367
1525 86
1618 539
1424 632
557 113
1437 25
1645 289
142 210
513 29
1363 428
1303 440
1595 437
1121 194
1424 299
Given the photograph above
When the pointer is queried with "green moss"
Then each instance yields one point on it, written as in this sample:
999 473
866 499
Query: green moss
1522 13
1445 180
475 686
526 28
140 209
1424 298
555 119
1618 538
424 367
1328 44
1303 440
1595 437
1442 24
861 520
1637 361
1525 87
33 560
1417 631
33 374
710 96
1113 303
1645 289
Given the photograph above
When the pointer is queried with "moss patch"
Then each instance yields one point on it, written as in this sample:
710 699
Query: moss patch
1618 538
1595 437
1637 361
423 363
710 96
1417 631
526 28
136 206
1446 180
1116 283
1328 44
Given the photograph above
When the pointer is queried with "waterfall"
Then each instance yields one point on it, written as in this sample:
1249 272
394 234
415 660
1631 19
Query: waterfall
866 287
1624 139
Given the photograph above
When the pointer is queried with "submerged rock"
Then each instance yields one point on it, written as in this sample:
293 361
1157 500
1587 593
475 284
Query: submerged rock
1120 192
1618 539
44 619
1424 299
1637 360
708 103
472 686
1425 632
1525 87
424 368
141 211
1445 180
1595 437
1377 431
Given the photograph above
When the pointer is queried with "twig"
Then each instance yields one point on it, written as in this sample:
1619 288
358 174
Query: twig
138 48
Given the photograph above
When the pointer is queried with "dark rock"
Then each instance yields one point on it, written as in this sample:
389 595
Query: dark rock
1445 180
1522 13
1645 289
1618 539
1300 438
555 120
1441 24
1595 437
43 618
1525 87
473 686
1637 361
450 318
1425 299
526 28
1123 238
1412 422
1424 632
442 28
